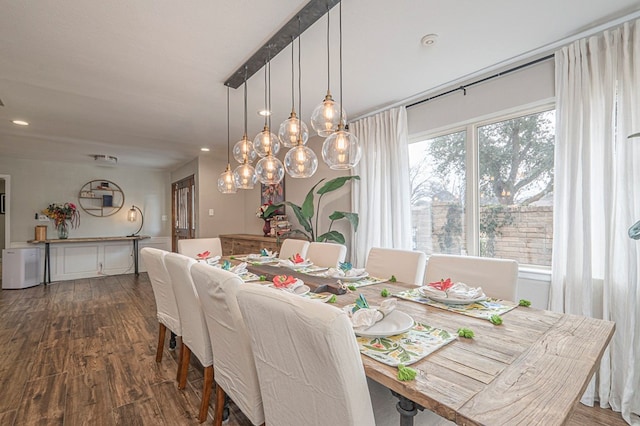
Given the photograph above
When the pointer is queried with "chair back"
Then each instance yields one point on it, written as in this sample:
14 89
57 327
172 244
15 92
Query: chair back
326 255
497 277
166 306
194 328
192 247
307 360
291 246
232 356
406 265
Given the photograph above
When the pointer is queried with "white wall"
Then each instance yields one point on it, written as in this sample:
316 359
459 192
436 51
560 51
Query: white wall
36 184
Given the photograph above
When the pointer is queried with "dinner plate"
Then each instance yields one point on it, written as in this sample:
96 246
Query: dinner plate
396 322
354 278
451 300
303 289
256 258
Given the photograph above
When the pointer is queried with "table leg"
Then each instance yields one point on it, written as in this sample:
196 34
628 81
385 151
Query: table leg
407 409
135 255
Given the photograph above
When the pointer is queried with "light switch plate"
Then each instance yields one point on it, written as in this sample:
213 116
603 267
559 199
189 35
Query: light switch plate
210 212
164 217
42 218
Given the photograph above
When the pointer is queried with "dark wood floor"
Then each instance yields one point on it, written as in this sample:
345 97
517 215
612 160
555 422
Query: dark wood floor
83 352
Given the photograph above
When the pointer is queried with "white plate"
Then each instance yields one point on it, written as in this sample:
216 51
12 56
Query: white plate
256 258
303 289
354 278
452 301
397 322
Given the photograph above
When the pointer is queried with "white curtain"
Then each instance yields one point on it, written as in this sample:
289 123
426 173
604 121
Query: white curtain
382 196
596 266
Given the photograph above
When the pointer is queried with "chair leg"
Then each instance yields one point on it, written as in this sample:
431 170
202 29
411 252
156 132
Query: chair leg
180 357
184 366
161 333
206 393
220 400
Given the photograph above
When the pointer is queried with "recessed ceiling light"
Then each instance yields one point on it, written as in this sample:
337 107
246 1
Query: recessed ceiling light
20 122
205 149
264 112
429 39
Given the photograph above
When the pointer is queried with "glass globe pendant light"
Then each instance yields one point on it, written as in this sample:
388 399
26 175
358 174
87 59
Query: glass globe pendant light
245 175
328 115
226 181
300 161
341 150
293 126
269 169
243 149
266 142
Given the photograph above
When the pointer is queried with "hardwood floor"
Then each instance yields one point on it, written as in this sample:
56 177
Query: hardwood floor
83 352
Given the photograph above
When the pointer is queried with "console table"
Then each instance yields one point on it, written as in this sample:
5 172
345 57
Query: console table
47 268
247 243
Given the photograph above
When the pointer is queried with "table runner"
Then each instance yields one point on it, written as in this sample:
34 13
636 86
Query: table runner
406 348
483 310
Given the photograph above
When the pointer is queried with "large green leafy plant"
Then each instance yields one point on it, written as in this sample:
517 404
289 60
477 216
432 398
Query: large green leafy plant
309 209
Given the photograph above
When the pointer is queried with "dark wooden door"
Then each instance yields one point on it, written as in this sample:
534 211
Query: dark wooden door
183 211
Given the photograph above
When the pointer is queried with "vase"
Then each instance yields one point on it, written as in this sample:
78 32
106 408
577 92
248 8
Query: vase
63 230
266 229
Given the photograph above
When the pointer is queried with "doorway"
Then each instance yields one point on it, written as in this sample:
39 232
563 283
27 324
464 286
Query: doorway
183 211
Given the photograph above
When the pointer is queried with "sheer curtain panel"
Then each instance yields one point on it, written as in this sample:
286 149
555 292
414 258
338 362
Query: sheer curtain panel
381 197
596 265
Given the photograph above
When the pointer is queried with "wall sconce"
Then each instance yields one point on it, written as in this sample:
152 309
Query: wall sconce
132 216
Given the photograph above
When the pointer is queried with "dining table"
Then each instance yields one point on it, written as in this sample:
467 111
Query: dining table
531 369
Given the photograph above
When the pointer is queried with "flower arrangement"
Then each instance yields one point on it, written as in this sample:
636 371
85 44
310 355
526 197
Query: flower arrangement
61 213
264 212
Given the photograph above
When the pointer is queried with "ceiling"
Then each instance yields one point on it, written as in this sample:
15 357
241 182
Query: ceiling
142 80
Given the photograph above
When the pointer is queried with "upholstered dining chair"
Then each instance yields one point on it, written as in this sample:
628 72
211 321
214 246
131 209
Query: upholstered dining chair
195 336
406 265
193 246
497 277
166 307
326 255
236 374
291 246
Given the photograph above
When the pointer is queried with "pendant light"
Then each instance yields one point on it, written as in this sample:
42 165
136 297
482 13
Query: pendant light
292 127
269 169
245 175
243 149
266 142
226 181
327 116
300 161
341 150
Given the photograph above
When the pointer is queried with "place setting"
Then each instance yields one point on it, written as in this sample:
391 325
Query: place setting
392 336
205 257
264 257
458 297
355 277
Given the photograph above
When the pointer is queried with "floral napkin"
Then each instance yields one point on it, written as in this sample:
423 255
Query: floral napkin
287 283
363 318
337 272
456 291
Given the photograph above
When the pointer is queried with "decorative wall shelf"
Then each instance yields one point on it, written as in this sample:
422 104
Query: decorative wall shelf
101 198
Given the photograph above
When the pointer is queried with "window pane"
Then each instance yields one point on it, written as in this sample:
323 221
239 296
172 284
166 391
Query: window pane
516 188
437 194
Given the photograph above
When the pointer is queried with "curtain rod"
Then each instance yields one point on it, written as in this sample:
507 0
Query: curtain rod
482 80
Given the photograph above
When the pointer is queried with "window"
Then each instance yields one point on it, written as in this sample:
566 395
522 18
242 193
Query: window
486 189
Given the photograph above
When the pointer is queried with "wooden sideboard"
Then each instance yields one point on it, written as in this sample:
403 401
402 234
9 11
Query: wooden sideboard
246 243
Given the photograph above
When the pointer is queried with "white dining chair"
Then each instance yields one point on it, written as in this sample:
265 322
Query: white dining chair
166 306
497 277
195 336
291 246
236 374
309 366
406 265
194 246
326 255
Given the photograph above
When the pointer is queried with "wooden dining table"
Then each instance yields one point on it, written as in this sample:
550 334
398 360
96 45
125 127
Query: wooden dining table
530 370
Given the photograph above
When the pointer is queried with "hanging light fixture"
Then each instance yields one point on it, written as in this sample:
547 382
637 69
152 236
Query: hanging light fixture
269 169
243 149
293 127
327 116
341 150
300 161
245 175
226 181
266 142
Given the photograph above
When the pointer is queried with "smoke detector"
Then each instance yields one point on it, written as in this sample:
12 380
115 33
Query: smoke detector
105 160
429 39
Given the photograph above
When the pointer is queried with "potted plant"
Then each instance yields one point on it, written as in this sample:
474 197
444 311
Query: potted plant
61 213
